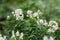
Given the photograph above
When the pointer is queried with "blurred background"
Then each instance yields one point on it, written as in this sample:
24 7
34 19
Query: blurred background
50 8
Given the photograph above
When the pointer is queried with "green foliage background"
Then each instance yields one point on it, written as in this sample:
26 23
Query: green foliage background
31 30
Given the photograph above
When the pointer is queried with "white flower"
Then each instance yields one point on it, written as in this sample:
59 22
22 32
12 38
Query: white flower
43 22
18 11
21 36
17 33
29 12
13 13
53 26
45 38
8 17
13 35
35 14
19 14
51 38
1 38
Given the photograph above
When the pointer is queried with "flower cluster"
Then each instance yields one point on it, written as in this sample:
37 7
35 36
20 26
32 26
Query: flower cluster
17 35
46 38
20 16
53 25
2 37
35 14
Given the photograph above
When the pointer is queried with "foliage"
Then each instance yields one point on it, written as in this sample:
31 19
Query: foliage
29 26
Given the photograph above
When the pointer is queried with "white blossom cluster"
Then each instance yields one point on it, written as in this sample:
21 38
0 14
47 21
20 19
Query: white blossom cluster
17 34
20 16
46 38
2 37
35 14
53 25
